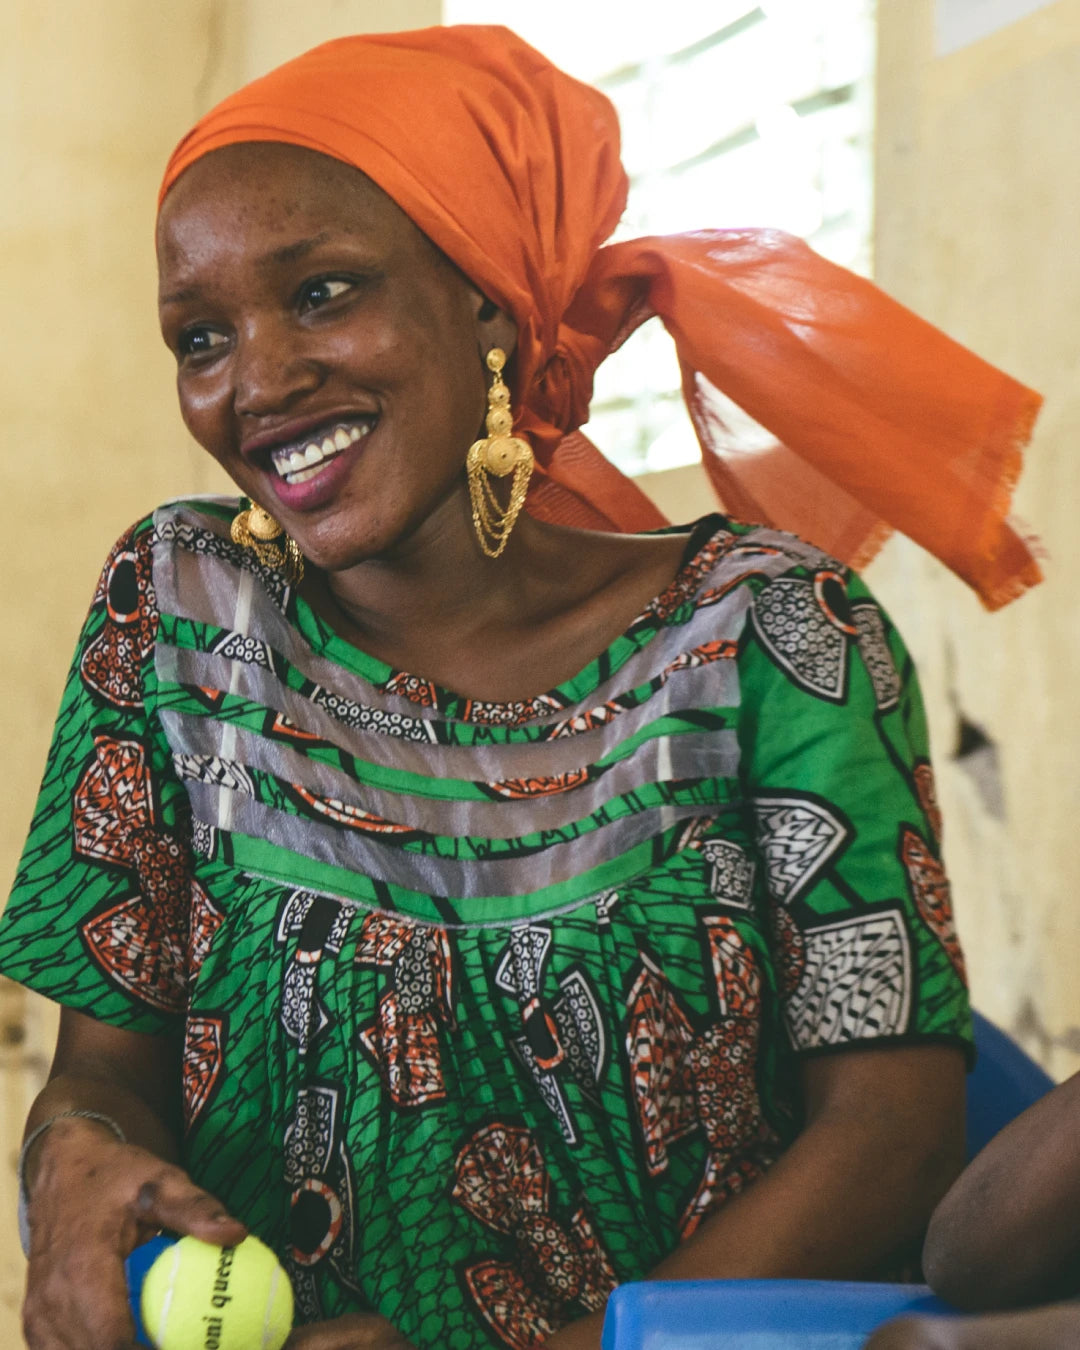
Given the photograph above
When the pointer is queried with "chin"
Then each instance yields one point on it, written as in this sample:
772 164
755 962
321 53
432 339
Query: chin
337 551
336 557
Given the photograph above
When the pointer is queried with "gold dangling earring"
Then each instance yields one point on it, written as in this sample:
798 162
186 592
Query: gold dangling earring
498 453
255 528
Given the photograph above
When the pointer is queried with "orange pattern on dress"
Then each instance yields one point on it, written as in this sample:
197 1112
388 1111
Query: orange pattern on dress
518 789
206 919
287 729
412 687
789 947
141 940
403 1040
113 798
930 891
202 1064
720 649
341 813
926 790
657 1040
112 663
561 1269
684 1081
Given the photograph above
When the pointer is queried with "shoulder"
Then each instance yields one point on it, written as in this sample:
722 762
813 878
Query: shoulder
183 518
813 617
174 519
760 566
138 553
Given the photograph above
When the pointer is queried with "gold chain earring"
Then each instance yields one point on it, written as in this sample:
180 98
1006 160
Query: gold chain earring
255 528
498 454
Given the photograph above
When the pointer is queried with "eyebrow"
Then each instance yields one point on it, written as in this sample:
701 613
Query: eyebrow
278 257
288 253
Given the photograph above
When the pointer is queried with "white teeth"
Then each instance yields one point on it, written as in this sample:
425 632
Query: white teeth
303 475
297 464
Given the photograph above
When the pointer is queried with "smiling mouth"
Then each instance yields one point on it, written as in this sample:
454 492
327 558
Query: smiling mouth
301 460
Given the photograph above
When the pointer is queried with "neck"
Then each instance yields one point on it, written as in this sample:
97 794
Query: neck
436 583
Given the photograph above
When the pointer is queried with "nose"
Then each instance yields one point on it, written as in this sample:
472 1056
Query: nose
271 373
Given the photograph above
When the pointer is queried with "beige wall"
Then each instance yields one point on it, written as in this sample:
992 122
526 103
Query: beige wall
978 214
95 94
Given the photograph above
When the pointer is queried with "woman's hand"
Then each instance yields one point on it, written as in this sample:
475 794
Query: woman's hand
94 1199
355 1331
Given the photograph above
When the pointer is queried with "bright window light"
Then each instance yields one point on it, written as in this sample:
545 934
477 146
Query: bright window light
733 114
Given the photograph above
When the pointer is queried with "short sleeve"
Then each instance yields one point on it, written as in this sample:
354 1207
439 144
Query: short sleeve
98 917
838 779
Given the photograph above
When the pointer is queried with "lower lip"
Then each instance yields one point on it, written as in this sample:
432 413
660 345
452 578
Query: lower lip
321 489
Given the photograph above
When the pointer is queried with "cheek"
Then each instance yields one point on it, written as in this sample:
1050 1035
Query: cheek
203 412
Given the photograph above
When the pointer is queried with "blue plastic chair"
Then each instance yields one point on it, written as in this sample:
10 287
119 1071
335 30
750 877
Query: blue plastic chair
1004 1082
816 1314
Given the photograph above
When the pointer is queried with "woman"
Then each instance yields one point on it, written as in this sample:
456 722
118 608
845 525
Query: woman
474 901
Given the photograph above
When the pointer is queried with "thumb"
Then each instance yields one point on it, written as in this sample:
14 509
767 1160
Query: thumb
172 1200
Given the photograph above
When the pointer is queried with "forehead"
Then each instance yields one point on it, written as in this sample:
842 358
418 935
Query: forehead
256 195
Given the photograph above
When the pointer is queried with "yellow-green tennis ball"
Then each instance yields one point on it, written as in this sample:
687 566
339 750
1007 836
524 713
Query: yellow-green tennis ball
200 1297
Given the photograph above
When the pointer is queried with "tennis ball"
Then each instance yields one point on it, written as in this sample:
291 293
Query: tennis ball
200 1297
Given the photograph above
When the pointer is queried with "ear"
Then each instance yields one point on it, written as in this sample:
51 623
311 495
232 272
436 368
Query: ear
495 328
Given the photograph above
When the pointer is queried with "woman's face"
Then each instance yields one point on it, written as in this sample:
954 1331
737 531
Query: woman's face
329 357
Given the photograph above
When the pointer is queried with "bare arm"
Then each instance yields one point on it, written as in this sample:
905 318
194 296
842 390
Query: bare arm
92 1198
883 1140
1052 1328
1009 1230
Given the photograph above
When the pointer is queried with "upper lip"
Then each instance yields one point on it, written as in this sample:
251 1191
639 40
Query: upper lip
300 431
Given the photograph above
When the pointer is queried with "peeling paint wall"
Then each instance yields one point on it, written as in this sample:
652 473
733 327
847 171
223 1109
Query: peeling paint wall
94 94
978 210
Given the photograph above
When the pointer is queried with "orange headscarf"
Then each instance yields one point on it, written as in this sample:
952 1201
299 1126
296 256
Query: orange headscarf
512 168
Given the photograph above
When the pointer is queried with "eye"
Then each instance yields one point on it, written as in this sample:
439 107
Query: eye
322 291
198 341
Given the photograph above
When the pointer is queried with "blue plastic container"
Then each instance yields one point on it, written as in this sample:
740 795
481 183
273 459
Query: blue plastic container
757 1314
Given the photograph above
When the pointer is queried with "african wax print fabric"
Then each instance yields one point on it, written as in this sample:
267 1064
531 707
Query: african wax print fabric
480 1008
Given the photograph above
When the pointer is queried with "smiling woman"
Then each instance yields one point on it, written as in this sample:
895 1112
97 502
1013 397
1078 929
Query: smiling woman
475 904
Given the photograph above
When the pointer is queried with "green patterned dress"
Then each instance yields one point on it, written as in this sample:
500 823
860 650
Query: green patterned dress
482 1007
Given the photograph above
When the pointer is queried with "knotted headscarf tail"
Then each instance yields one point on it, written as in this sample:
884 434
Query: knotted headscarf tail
512 168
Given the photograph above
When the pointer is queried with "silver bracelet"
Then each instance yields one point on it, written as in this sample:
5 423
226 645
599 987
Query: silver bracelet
29 1142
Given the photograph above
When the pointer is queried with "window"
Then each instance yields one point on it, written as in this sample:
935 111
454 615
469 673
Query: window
732 114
